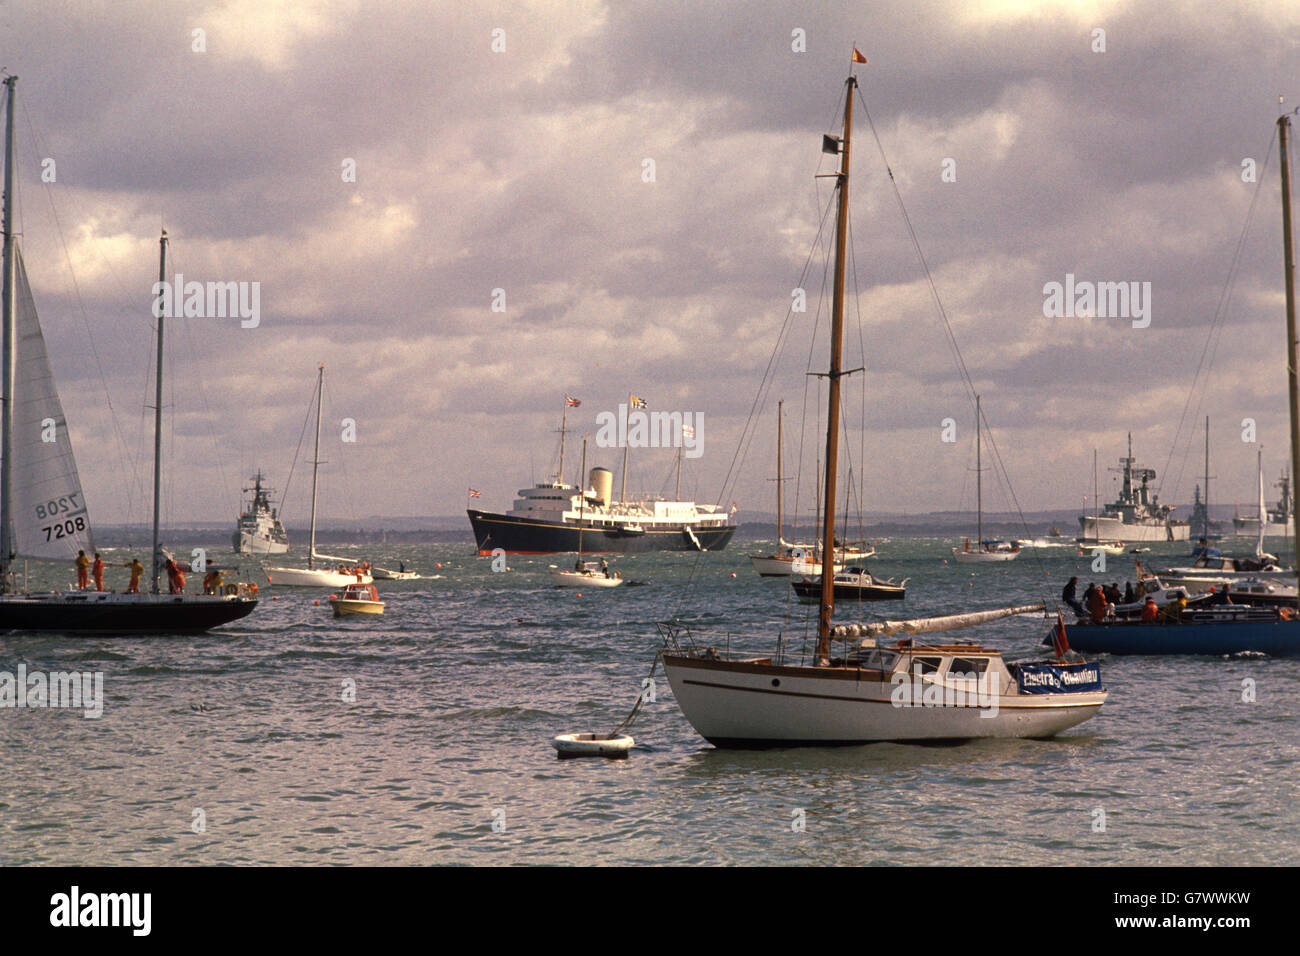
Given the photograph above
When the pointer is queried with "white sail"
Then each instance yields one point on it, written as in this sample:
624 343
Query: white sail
48 508
922 625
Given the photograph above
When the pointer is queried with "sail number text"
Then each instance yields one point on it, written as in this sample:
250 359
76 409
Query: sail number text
69 515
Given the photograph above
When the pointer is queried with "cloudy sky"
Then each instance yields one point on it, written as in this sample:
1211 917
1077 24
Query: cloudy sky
504 146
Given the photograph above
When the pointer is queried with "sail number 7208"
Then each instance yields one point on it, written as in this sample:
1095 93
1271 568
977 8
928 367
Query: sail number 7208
69 515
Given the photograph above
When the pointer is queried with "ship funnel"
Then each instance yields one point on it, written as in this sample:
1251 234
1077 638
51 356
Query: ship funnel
602 482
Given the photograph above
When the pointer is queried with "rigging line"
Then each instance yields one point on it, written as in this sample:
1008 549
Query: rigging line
188 336
916 246
862 351
123 449
297 450
349 489
943 313
1210 348
747 433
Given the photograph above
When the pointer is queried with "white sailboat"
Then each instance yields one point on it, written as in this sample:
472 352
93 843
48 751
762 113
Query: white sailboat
905 692
341 573
985 551
585 574
43 512
789 558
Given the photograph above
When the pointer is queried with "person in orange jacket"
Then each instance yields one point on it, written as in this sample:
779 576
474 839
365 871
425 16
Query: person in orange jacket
97 572
175 578
83 570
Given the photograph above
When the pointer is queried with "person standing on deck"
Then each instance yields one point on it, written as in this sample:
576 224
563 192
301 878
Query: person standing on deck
97 572
137 569
83 570
175 579
1069 594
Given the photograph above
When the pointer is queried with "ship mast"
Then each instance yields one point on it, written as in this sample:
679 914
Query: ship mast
9 373
564 417
1288 258
833 375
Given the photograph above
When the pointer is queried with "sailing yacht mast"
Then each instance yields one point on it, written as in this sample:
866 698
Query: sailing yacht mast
834 374
979 483
315 467
1288 258
9 373
157 418
779 488
1205 500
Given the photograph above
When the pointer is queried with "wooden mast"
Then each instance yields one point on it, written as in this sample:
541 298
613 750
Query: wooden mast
834 374
1288 259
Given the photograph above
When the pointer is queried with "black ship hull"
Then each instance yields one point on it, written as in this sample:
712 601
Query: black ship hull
523 536
93 615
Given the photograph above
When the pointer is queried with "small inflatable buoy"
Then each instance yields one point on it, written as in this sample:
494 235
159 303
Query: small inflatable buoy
592 745
316 603
437 565
733 574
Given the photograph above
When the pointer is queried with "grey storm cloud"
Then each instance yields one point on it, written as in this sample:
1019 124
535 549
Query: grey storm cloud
522 170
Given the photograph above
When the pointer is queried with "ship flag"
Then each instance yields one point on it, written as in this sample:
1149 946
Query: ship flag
474 494
637 402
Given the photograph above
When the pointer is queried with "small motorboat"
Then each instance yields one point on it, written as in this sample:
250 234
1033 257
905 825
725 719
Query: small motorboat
357 599
853 584
591 575
1089 546
592 745
388 574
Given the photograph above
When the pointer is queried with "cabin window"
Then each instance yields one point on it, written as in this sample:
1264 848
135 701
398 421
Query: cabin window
961 666
926 665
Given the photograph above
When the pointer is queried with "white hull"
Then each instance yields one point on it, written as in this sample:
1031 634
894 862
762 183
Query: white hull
979 557
385 574
1249 528
308 578
765 705
782 567
583 579
1113 529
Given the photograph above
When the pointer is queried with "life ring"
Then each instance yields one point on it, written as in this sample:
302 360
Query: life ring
232 588
592 745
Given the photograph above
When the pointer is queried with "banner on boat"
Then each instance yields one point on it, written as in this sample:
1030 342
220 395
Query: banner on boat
1058 678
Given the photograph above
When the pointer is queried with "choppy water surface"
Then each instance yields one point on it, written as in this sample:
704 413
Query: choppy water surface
445 756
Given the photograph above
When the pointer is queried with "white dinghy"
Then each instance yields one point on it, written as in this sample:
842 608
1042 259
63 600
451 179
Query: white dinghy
592 745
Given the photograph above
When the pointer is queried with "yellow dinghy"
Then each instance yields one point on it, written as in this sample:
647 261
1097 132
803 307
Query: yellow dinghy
357 599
